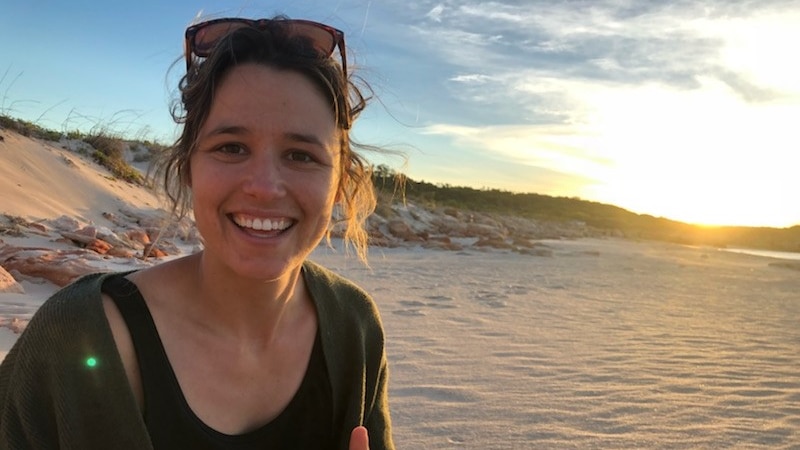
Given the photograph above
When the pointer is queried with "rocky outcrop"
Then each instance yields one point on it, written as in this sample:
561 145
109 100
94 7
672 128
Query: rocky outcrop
147 235
59 267
85 248
452 229
9 285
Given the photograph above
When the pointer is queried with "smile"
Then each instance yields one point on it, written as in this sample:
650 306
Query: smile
261 224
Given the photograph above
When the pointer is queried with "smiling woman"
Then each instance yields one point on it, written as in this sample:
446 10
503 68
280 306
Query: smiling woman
245 344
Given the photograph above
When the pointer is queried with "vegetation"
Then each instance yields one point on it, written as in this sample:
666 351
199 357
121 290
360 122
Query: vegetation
108 150
110 153
28 129
596 215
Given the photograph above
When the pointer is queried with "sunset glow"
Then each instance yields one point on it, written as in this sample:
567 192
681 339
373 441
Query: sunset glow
685 110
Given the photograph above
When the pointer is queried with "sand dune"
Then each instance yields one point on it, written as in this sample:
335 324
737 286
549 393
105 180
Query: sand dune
40 180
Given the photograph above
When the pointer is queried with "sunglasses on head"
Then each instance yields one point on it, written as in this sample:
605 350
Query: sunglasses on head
203 37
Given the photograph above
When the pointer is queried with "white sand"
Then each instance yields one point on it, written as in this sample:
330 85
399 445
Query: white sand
44 181
607 344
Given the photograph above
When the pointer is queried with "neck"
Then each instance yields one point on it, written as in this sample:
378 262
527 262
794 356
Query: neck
246 308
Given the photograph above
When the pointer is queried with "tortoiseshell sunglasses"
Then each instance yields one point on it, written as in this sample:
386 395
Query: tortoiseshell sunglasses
202 37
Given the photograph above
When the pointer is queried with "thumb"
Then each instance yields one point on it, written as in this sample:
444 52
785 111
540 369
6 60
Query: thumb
359 439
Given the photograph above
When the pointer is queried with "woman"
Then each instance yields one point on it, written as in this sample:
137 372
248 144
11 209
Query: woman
245 344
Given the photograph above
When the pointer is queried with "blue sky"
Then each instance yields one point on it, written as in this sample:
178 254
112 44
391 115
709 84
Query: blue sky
683 109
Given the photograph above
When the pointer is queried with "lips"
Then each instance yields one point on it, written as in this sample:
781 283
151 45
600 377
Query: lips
261 223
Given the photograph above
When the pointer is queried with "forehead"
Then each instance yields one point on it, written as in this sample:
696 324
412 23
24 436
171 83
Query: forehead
262 98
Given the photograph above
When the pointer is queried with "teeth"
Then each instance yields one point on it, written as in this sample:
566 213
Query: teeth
261 224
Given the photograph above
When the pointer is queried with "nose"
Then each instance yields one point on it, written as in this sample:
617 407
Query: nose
264 177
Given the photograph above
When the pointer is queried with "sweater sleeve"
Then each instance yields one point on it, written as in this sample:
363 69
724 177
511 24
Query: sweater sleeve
378 420
62 385
353 342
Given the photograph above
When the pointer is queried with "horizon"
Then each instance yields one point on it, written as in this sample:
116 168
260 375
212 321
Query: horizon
681 110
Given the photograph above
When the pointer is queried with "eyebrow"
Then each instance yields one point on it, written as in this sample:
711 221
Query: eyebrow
239 130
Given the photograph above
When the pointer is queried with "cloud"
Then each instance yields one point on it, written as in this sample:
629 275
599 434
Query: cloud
646 99
435 13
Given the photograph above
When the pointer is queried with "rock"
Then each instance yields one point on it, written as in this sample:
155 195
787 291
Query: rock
453 212
116 220
60 267
442 243
139 236
494 242
118 242
99 246
17 325
78 238
65 223
89 231
8 285
400 229
121 252
151 251
536 251
37 226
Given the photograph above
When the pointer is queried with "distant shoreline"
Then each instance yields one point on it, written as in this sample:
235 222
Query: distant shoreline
793 256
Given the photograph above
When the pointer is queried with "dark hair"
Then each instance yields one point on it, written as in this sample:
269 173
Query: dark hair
273 47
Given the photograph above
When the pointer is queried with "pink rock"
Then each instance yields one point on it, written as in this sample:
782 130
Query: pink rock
151 251
8 284
60 267
138 235
120 252
99 246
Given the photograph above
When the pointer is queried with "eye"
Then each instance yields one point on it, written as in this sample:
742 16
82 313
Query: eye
231 149
300 156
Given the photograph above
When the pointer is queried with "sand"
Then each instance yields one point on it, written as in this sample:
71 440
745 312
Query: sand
606 344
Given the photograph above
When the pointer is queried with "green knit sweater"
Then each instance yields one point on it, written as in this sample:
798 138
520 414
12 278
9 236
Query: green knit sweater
63 385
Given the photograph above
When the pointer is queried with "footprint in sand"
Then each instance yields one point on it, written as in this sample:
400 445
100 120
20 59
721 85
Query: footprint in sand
515 289
491 299
409 312
416 307
440 301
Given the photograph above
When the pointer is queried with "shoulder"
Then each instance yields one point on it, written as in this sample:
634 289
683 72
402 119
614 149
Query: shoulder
342 305
67 320
335 293
75 302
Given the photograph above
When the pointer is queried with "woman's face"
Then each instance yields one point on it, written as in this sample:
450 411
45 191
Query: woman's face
265 172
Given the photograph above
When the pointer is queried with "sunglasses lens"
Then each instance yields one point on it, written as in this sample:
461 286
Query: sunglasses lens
320 38
207 36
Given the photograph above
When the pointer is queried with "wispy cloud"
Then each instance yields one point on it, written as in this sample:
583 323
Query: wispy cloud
626 96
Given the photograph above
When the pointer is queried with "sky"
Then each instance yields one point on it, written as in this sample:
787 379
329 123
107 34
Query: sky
680 109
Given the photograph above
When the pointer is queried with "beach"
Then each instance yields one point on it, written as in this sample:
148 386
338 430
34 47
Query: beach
606 344
572 344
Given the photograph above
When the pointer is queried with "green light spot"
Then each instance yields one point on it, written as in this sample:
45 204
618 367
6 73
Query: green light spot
91 362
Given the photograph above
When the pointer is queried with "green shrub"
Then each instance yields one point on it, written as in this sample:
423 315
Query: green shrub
110 153
28 129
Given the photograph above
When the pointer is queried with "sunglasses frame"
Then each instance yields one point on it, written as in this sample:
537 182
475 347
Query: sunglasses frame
192 31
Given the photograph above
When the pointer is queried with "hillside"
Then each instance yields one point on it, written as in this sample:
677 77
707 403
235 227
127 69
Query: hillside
599 218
